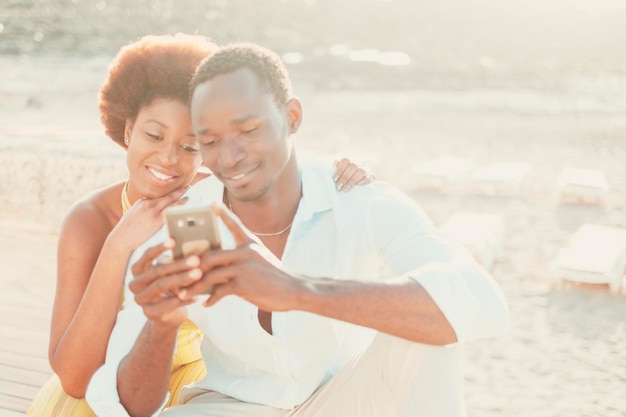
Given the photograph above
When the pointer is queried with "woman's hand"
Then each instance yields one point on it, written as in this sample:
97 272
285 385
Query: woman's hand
144 218
348 175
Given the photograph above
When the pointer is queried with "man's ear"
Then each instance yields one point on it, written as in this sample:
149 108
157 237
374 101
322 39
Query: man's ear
293 107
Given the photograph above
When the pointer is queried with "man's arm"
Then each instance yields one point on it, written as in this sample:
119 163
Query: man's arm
143 375
400 307
439 296
135 378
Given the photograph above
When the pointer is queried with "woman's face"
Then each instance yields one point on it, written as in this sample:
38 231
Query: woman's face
162 150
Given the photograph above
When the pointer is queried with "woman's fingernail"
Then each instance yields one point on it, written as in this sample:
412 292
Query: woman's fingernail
335 177
181 294
347 187
362 182
339 186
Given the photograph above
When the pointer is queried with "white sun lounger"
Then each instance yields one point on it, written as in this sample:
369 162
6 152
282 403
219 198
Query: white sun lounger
500 178
480 233
582 185
594 254
445 173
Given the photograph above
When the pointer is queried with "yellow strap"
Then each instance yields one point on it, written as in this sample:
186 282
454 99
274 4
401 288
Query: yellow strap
125 202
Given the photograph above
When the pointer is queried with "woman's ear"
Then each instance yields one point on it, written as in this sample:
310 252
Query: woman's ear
128 129
293 107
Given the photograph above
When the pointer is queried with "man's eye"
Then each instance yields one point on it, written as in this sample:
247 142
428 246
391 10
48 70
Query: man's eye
249 131
208 142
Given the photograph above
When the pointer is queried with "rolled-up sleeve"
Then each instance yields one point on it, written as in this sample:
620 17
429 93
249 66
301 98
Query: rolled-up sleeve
467 296
463 290
102 395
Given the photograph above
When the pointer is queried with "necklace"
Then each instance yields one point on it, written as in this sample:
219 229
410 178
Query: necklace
125 201
280 232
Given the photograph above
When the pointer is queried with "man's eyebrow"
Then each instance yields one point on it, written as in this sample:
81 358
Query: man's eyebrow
244 119
235 122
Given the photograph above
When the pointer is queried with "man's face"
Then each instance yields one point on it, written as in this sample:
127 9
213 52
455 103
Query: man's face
244 135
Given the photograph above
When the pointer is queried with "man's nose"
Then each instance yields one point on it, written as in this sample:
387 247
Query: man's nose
232 153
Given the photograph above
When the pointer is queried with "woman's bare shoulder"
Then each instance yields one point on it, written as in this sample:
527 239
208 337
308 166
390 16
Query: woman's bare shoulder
97 212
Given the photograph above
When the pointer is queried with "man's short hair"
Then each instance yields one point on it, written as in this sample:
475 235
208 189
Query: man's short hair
265 64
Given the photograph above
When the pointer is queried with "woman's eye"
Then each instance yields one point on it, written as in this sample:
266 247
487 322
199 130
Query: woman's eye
189 148
154 136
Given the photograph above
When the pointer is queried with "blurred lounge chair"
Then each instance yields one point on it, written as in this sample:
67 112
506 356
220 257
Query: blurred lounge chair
481 233
502 178
594 254
445 173
576 185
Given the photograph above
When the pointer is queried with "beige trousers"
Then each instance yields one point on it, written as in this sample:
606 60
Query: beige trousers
391 378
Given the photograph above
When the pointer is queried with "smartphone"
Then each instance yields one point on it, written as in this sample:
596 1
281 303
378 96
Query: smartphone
194 229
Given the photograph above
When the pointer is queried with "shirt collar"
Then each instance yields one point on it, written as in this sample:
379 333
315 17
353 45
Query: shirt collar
318 190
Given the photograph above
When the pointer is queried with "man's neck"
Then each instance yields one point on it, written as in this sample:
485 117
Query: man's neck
277 208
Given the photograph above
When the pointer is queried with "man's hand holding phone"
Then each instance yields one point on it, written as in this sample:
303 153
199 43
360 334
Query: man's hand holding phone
159 287
250 271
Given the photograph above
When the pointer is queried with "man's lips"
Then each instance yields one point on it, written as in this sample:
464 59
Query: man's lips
239 175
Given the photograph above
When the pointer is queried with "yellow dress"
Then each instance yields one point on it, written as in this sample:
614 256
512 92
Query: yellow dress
187 367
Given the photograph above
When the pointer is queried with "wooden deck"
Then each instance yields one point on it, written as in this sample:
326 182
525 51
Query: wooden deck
27 284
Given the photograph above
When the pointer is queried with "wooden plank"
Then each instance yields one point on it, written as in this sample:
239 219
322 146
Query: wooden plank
25 308
16 406
22 334
23 376
11 413
29 363
24 316
37 350
18 390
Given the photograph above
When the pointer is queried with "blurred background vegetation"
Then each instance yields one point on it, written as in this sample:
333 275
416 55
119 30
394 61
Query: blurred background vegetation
373 44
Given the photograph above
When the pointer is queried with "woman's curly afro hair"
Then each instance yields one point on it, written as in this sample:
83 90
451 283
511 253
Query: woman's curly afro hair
155 66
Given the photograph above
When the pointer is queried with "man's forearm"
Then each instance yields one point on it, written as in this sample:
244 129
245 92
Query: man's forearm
400 307
143 376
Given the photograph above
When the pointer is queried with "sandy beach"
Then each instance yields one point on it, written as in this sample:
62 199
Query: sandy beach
565 352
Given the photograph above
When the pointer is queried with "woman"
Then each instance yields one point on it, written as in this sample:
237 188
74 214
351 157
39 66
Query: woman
143 106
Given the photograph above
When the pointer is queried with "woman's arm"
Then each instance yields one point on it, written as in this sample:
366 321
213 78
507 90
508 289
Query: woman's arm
90 270
92 257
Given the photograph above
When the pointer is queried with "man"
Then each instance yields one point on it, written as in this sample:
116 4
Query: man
328 304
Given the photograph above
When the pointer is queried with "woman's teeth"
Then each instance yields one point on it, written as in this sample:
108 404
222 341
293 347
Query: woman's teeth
160 175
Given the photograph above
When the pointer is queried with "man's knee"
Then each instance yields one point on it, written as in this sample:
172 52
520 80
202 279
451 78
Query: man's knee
402 361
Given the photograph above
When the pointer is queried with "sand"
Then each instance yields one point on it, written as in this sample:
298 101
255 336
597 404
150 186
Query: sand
565 352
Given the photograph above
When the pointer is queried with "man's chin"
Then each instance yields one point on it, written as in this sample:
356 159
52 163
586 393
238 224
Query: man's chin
247 193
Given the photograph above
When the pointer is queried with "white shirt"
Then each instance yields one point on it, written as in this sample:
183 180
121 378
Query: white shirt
369 234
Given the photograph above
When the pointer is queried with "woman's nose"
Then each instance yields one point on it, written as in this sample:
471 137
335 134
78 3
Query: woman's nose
168 154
